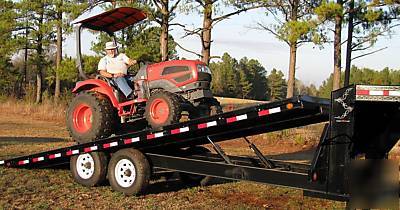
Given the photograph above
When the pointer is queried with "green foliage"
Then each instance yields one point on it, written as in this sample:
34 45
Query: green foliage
7 25
146 46
138 43
8 77
276 85
363 76
328 10
243 79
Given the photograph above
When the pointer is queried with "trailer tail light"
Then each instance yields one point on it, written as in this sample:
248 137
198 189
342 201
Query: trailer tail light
314 177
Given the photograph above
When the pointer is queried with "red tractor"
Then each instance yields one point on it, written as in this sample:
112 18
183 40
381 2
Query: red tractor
163 91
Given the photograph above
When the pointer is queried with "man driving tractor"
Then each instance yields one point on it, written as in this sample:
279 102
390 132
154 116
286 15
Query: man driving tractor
115 66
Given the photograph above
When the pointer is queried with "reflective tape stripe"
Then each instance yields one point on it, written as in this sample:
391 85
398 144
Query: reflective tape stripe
158 135
275 110
55 156
237 118
180 130
155 135
38 159
23 162
90 149
130 141
207 125
378 92
72 152
263 113
269 111
231 120
394 93
112 144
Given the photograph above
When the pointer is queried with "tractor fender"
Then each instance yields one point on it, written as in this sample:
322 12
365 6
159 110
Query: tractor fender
97 85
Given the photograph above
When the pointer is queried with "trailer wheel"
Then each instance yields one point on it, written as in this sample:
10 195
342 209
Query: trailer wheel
89 169
129 172
193 179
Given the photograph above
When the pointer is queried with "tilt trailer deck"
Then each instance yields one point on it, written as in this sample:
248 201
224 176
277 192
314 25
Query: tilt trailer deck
362 121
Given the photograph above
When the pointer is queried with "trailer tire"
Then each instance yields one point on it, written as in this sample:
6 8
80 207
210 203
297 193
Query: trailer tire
129 172
89 169
192 180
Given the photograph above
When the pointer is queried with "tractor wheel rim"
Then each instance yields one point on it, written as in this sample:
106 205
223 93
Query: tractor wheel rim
159 111
125 173
82 118
85 166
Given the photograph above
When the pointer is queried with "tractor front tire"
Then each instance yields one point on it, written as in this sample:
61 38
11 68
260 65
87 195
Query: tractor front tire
90 116
163 108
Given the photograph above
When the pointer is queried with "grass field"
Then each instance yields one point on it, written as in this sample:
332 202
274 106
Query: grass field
26 130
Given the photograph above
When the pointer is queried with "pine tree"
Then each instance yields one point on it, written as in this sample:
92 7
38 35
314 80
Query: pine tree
276 85
294 27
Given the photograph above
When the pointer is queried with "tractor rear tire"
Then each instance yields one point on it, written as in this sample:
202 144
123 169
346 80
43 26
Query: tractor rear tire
163 108
90 116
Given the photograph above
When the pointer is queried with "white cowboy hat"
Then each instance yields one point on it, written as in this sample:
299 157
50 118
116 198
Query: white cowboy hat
110 46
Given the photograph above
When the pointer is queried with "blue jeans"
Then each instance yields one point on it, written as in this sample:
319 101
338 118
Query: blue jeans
123 85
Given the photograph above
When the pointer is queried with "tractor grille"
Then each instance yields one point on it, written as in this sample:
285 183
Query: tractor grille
204 76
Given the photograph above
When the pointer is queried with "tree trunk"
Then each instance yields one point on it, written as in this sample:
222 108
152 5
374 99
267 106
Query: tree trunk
337 59
38 86
206 32
292 71
39 60
349 44
164 31
58 56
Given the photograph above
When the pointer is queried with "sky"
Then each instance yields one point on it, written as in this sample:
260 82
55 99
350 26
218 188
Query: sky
237 37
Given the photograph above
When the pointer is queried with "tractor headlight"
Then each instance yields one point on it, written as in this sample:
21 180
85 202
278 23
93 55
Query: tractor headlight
203 68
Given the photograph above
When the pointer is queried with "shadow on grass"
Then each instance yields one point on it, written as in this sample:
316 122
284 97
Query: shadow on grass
174 184
13 140
304 155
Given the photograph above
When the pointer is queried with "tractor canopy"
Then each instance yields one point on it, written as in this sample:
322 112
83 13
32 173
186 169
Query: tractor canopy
109 22
113 20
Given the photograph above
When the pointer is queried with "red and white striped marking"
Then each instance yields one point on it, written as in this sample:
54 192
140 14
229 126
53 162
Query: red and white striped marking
180 130
112 144
2 162
54 156
23 162
90 149
131 140
236 118
155 135
269 111
72 152
38 159
378 92
207 125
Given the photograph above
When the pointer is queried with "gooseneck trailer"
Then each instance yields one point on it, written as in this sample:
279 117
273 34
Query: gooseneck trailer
360 121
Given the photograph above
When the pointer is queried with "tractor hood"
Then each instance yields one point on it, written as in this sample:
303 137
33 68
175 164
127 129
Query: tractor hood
113 20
